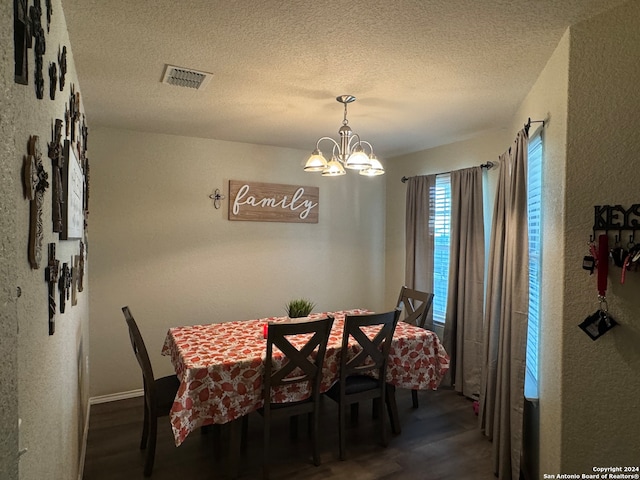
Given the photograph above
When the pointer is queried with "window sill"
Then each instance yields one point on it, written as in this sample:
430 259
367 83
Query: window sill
531 393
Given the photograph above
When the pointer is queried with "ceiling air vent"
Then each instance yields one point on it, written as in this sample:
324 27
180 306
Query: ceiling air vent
185 77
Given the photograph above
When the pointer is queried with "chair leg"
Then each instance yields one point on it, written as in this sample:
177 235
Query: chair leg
265 448
151 447
383 424
341 429
355 408
414 398
375 408
293 427
392 409
145 427
314 437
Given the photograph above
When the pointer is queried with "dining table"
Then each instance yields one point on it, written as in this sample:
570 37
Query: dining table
220 367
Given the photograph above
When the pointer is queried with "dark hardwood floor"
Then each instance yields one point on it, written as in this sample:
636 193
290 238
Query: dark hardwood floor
439 441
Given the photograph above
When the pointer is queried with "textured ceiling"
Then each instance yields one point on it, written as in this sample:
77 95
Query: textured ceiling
425 73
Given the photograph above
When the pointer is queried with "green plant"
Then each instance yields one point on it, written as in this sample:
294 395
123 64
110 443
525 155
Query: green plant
300 307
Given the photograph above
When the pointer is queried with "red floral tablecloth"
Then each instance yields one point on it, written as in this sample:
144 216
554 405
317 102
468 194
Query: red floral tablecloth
220 367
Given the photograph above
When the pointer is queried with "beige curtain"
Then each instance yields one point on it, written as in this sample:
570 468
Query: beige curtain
505 328
465 303
420 211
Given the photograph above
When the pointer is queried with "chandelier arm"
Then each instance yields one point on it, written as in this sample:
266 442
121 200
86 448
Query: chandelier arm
326 138
364 142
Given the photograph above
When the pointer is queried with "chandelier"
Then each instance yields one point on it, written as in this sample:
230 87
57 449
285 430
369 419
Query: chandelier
349 153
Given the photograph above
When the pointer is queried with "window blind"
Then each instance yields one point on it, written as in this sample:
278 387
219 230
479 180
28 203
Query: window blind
534 209
442 230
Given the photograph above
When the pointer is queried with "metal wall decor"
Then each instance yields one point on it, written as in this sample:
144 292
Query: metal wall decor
49 12
73 114
62 63
51 277
40 47
53 80
64 286
216 196
21 41
80 273
34 179
57 168
616 218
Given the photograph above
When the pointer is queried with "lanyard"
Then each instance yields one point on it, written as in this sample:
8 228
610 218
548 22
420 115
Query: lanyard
603 264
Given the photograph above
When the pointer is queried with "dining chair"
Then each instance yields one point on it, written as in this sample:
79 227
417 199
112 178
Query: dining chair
297 364
371 354
159 393
416 305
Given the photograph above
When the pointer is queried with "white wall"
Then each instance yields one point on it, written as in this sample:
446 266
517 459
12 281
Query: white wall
158 245
600 398
51 394
547 101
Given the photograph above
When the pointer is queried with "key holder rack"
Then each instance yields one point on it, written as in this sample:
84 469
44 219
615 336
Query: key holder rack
609 218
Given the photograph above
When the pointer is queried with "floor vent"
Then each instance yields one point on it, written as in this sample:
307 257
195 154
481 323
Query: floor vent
185 77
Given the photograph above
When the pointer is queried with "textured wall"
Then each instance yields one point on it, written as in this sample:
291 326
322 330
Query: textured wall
8 309
547 101
601 389
51 393
159 245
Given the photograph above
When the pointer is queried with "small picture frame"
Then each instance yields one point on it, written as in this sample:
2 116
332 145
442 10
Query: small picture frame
597 324
73 195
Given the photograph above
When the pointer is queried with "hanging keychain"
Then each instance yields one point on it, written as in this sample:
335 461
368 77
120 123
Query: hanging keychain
589 262
600 322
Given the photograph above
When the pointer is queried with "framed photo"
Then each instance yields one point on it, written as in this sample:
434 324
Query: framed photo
73 195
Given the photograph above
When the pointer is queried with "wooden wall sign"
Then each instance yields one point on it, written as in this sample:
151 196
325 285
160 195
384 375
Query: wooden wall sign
273 202
35 184
73 195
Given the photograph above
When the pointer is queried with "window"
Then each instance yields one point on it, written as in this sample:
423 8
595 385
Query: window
442 230
534 197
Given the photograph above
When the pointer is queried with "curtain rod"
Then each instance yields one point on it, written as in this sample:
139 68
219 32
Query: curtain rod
487 165
529 122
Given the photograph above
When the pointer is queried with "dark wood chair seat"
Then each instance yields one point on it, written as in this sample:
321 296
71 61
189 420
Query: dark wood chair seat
159 393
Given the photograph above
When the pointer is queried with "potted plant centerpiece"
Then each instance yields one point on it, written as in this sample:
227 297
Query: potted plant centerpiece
300 307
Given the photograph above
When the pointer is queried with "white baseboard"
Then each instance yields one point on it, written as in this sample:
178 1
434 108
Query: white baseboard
113 397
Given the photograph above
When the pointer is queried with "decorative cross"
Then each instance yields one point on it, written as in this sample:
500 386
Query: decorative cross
21 40
81 267
51 277
35 14
64 285
53 80
57 167
62 62
35 184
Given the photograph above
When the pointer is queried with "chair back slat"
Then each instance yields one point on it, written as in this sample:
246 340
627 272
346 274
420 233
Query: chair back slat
299 364
416 305
373 352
